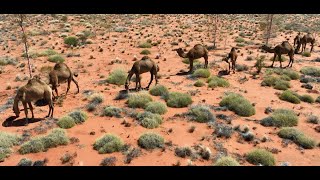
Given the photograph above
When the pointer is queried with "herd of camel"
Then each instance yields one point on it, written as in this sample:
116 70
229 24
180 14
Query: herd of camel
36 89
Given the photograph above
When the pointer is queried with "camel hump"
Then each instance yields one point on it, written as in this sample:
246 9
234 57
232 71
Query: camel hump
145 58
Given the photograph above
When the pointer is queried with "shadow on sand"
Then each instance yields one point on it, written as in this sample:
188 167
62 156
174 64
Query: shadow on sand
12 122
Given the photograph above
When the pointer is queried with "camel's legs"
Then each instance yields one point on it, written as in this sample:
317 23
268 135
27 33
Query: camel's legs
137 81
151 79
56 90
311 47
25 111
156 77
206 61
233 66
69 82
229 66
128 80
274 58
191 65
279 55
31 109
76 82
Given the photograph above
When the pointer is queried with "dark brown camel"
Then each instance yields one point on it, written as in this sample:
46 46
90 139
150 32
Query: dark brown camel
283 48
233 57
297 41
308 38
198 51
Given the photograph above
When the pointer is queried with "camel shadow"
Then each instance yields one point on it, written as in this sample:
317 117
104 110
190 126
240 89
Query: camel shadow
223 73
183 73
12 122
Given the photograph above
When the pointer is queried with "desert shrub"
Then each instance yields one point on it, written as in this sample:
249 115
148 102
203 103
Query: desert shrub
149 120
285 77
145 52
56 58
318 99
269 81
297 137
306 54
156 107
313 119
222 130
261 156
241 67
183 152
48 52
96 98
275 82
215 81
159 90
238 104
71 41
282 85
239 40
66 122
204 73
200 113
145 45
290 97
199 83
187 61
291 73
281 118
226 161
7 60
178 100
7 141
109 143
307 98
78 116
57 137
117 77
150 141
249 58
139 100
109 161
112 111
25 162
311 71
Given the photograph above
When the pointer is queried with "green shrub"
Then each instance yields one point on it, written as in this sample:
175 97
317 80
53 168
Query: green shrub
109 143
281 85
117 77
186 61
241 67
48 52
66 122
7 60
145 45
112 111
178 100
204 73
71 41
7 141
313 119
149 120
145 52
78 116
281 118
306 54
156 107
96 98
311 71
318 99
261 156
238 104
56 58
285 77
269 81
159 90
57 137
199 83
239 40
139 100
226 161
298 137
290 97
291 73
275 82
215 81
200 113
307 98
150 141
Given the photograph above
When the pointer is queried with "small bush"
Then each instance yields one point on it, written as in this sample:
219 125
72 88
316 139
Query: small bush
57 137
96 98
239 40
281 118
112 111
56 58
7 141
261 156
292 74
222 130
290 97
145 45
238 104
318 99
199 83
108 144
183 152
66 122
48 52
156 107
313 119
159 90
109 161
226 161
78 116
149 120
145 52
7 60
204 73
307 98
200 113
269 81
150 141
306 54
282 85
275 82
311 71
139 100
71 41
25 162
178 100
117 77
298 137
215 81
241 67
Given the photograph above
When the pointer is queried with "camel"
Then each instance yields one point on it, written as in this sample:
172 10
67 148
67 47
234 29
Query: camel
297 41
142 66
198 51
283 48
34 90
61 73
233 57
308 38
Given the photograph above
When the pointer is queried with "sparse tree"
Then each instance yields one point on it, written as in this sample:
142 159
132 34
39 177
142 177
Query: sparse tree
269 27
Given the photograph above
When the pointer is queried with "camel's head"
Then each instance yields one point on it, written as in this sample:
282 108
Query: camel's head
264 47
16 108
179 50
233 49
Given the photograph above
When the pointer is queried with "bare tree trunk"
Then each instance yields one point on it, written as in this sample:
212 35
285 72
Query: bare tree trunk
269 21
24 39
215 30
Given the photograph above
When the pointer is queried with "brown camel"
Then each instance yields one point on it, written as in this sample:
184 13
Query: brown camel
308 38
297 41
34 90
61 73
198 51
283 48
233 57
142 66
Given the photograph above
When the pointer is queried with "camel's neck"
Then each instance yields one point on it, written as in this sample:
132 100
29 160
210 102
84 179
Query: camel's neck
182 54
269 50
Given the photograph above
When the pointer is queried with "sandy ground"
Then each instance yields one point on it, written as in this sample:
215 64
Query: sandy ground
91 70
